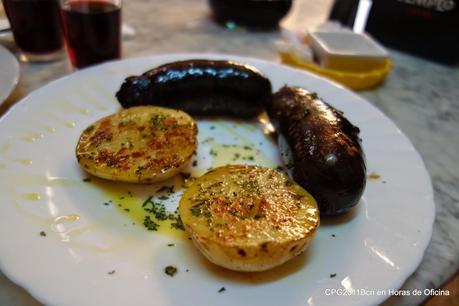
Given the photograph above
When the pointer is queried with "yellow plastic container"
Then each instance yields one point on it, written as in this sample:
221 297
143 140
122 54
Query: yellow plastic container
353 80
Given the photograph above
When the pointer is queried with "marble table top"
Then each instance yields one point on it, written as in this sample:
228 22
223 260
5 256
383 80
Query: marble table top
421 97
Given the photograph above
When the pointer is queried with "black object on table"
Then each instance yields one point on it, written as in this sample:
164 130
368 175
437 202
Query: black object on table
253 14
429 29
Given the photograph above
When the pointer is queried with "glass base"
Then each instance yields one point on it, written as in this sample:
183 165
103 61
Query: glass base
41 57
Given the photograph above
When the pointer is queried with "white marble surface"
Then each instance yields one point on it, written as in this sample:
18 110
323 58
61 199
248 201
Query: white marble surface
422 98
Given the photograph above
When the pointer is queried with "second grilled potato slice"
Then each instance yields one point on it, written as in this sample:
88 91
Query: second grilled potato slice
248 218
142 144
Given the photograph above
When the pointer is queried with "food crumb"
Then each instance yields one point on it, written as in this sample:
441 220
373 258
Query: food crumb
221 289
373 176
170 270
332 275
150 224
208 140
195 163
167 189
111 272
43 234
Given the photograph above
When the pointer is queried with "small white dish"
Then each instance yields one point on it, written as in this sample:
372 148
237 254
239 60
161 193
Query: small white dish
9 73
347 51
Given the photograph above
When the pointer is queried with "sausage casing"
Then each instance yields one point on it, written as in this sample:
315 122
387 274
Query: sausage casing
328 160
199 87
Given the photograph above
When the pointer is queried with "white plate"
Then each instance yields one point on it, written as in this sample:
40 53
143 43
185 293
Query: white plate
9 73
374 248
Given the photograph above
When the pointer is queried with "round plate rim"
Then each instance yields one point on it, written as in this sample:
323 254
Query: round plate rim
376 299
13 82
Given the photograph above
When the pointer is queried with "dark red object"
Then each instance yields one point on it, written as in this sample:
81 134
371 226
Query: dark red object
92 31
35 25
328 160
200 87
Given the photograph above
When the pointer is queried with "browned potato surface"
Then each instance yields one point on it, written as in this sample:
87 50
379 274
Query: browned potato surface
142 144
248 218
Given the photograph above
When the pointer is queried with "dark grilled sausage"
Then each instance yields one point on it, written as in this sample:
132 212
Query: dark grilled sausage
328 160
199 87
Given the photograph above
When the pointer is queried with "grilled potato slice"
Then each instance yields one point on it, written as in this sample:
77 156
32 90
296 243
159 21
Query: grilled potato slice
142 144
248 218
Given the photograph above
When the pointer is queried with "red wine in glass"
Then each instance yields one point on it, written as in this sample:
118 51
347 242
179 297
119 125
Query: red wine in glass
35 25
92 31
